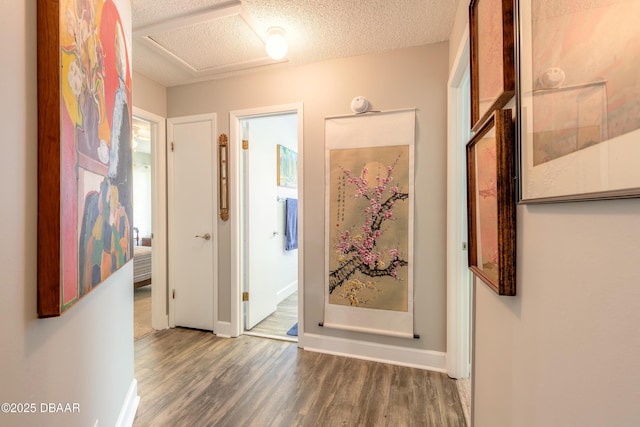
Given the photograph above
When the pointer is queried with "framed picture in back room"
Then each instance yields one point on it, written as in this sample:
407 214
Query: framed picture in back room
287 161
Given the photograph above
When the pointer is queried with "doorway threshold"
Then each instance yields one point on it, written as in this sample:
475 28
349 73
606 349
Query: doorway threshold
271 336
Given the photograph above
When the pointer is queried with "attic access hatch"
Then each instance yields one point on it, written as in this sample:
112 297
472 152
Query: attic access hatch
212 41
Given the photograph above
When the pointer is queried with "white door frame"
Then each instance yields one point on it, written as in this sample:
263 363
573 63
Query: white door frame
170 171
235 155
159 315
458 279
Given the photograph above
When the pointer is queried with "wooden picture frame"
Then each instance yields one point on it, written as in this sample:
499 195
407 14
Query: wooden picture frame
491 32
85 203
491 203
578 101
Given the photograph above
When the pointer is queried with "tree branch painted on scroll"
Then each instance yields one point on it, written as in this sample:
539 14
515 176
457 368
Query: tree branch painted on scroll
359 251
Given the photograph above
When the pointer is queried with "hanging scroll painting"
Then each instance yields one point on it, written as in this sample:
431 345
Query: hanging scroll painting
369 215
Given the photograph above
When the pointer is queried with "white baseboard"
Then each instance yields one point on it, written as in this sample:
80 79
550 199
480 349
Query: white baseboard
223 329
129 407
161 322
401 356
286 291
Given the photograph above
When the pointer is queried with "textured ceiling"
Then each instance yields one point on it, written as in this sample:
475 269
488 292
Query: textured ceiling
183 41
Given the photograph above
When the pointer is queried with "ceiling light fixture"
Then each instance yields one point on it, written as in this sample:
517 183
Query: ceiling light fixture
276 44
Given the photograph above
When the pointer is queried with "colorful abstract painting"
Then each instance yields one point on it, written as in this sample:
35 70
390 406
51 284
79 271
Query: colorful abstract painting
94 146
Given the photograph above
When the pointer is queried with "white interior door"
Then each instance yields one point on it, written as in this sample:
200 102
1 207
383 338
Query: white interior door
192 235
260 232
271 271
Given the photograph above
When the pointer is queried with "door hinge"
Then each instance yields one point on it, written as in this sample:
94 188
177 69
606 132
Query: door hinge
173 294
464 246
172 147
245 144
245 296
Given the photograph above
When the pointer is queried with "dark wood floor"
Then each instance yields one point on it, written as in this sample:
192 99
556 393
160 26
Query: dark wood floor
192 378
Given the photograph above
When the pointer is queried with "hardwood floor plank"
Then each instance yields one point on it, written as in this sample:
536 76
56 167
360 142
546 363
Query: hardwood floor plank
193 378
433 416
374 396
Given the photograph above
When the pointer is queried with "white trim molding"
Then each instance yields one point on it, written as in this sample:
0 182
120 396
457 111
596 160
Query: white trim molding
129 406
159 315
383 353
287 290
224 329
458 283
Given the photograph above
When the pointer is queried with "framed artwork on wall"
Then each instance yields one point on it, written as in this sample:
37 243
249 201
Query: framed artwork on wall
369 223
84 148
491 203
287 175
579 100
491 31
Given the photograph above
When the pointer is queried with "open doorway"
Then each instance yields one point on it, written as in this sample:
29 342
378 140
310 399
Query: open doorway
149 184
270 261
142 207
267 266
459 281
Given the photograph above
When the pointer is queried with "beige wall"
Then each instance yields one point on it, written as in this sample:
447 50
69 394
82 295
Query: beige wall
414 77
86 355
149 95
564 351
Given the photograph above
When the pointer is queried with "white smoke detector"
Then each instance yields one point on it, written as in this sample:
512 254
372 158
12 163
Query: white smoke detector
359 104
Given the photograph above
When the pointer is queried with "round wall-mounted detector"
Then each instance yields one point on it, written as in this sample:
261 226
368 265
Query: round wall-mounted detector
359 104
